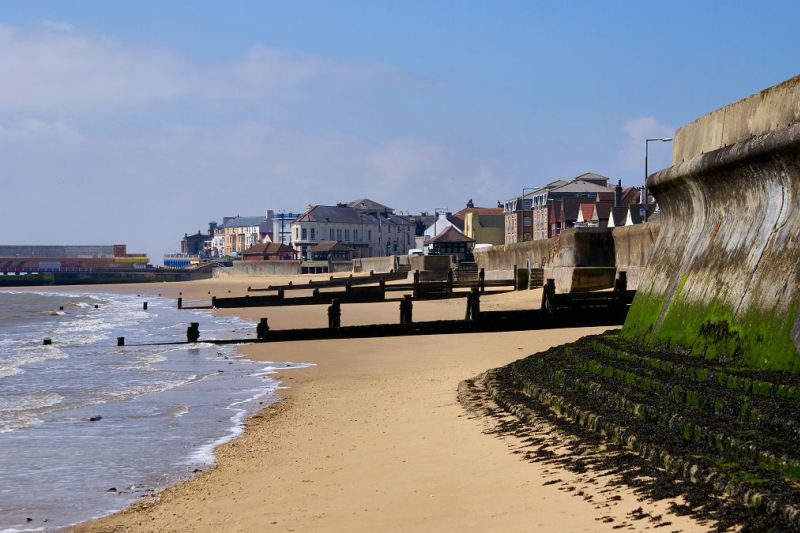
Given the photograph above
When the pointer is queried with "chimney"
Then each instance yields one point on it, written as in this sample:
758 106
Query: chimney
618 194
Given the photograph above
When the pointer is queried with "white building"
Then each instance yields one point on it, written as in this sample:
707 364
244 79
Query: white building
369 234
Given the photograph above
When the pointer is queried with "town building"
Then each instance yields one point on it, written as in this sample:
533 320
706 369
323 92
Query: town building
240 233
450 241
331 251
282 227
443 220
269 251
483 225
369 228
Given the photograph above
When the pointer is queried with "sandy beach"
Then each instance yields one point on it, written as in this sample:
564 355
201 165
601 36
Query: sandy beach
373 438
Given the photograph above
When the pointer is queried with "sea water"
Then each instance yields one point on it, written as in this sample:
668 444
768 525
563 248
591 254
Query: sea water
86 426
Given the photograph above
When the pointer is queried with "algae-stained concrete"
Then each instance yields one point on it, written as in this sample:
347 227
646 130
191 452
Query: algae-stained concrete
723 278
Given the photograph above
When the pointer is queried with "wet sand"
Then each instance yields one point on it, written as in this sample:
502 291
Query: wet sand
373 438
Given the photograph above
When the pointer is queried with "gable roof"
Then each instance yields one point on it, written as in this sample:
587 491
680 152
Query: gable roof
578 185
586 211
451 234
618 216
269 248
602 210
366 204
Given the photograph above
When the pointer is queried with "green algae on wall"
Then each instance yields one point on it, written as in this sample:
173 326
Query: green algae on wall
757 340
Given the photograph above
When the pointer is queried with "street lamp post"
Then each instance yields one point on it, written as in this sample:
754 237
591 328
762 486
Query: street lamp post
523 211
646 150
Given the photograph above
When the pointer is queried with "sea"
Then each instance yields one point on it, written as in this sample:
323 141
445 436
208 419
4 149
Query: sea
87 427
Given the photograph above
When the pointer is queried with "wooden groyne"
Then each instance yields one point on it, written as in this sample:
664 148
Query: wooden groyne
606 309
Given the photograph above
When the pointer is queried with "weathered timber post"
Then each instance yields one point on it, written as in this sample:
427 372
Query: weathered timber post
348 286
620 288
621 285
475 311
144 306
280 294
516 285
315 292
371 272
450 281
335 314
549 290
382 284
180 303
473 304
262 328
120 341
47 341
193 332
406 307
416 282
482 280
290 283
214 301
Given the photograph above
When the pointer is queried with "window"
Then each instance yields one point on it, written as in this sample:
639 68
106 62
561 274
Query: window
332 234
297 233
369 235
338 235
355 235
313 234
304 234
347 234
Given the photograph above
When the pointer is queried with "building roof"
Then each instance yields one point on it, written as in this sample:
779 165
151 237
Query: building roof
578 185
330 246
630 195
451 234
481 211
244 222
365 204
618 215
592 176
267 248
586 211
336 214
602 210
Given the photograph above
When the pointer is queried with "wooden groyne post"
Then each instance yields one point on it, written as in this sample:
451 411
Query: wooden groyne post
473 304
335 314
193 332
406 309
262 328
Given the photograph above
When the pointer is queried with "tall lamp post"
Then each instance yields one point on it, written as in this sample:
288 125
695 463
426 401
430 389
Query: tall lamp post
646 150
523 211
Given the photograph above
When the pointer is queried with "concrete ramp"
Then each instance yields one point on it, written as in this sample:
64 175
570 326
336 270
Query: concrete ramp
723 279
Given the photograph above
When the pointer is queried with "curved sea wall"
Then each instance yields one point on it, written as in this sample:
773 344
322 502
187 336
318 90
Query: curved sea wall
722 281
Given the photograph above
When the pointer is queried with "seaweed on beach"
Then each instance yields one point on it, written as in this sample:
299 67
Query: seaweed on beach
719 439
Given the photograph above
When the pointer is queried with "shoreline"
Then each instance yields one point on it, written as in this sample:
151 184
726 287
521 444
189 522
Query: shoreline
310 461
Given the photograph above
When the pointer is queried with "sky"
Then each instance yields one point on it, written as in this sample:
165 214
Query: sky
137 122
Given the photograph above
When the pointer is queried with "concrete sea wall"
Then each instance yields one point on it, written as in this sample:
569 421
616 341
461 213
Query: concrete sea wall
260 268
578 259
723 278
633 246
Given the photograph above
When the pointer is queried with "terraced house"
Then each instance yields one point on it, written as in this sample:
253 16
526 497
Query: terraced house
240 233
369 228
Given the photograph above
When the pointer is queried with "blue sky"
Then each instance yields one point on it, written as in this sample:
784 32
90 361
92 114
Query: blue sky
136 122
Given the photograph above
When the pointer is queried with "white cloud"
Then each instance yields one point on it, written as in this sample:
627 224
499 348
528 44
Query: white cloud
631 155
53 66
